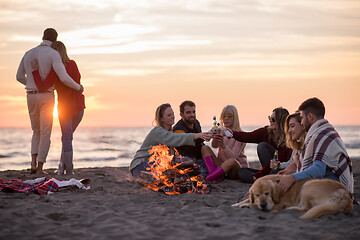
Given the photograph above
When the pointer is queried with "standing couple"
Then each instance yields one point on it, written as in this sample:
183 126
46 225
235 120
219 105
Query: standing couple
42 70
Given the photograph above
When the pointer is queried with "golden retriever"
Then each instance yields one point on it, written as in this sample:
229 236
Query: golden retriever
316 196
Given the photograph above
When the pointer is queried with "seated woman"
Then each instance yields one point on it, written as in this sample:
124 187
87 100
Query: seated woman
162 134
231 153
269 139
295 137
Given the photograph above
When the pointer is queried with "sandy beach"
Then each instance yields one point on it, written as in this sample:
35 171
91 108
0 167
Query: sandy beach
117 208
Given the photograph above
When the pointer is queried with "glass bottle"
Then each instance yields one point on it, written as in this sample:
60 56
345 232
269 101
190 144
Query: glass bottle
276 161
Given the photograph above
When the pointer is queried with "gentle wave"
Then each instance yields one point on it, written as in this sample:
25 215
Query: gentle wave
114 147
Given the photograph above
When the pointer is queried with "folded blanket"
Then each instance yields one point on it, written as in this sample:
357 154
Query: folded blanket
323 143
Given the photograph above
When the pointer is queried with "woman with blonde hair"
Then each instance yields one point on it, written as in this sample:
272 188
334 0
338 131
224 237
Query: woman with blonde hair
231 153
294 132
162 134
295 138
71 104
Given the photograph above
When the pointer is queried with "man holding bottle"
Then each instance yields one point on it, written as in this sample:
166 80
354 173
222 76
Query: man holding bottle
189 124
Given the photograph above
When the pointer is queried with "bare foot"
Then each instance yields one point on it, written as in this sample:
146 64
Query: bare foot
33 168
33 164
42 172
39 169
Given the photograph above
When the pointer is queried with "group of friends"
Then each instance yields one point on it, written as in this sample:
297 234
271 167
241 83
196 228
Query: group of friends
307 145
42 70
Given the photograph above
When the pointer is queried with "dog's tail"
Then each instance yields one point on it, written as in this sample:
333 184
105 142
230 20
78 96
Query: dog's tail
339 202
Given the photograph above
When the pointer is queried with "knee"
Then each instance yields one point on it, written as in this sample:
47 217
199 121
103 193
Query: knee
205 150
231 161
264 149
263 146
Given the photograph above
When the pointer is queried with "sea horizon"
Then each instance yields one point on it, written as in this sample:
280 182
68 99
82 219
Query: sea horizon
112 146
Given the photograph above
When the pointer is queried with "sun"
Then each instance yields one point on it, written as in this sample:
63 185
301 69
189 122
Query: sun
55 112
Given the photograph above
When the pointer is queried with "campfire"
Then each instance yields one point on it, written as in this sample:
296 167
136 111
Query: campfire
173 174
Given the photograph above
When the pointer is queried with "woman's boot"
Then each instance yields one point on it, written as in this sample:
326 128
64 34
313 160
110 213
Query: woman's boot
209 164
216 174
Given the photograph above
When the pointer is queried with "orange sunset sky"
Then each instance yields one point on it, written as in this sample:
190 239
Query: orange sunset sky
136 55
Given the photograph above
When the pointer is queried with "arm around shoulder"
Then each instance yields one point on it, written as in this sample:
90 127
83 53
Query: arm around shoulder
60 70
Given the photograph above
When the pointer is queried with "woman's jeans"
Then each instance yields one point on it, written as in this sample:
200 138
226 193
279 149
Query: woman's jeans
136 172
265 153
68 126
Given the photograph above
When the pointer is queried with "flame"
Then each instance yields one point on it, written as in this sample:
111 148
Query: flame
163 171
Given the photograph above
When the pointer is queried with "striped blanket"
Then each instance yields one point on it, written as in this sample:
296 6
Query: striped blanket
42 186
323 143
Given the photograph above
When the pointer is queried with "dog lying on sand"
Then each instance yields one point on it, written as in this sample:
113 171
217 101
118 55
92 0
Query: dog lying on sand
316 196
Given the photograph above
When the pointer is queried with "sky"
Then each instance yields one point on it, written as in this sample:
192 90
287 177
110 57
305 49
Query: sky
134 55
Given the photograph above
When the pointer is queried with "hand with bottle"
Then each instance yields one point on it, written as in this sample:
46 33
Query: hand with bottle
275 163
219 139
203 135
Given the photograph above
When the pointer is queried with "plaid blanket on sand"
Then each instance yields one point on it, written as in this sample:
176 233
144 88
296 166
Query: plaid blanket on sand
42 186
323 143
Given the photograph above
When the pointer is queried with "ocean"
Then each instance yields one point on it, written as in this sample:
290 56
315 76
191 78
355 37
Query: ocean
113 147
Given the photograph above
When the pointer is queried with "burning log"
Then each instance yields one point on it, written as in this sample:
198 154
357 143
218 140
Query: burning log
172 175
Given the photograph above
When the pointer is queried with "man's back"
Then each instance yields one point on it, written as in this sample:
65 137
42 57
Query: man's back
44 55
48 58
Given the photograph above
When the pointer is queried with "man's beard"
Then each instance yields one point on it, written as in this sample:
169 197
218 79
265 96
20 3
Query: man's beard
307 125
190 121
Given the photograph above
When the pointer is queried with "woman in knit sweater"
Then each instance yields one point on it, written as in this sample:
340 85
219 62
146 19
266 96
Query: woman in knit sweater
162 134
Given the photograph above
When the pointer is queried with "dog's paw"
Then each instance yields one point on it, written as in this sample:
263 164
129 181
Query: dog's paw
236 205
241 205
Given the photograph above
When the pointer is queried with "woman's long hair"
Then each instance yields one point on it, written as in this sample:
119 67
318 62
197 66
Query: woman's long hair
159 113
60 47
233 111
294 144
280 116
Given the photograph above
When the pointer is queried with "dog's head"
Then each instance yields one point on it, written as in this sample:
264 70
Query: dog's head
265 193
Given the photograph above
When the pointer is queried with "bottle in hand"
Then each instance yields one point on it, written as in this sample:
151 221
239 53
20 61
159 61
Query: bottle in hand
276 161
214 126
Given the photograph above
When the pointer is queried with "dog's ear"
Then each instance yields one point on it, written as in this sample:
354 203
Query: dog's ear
251 196
276 191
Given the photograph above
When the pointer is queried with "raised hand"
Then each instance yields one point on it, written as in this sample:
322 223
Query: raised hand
203 135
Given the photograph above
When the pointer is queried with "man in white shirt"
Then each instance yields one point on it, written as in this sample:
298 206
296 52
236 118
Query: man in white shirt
41 105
